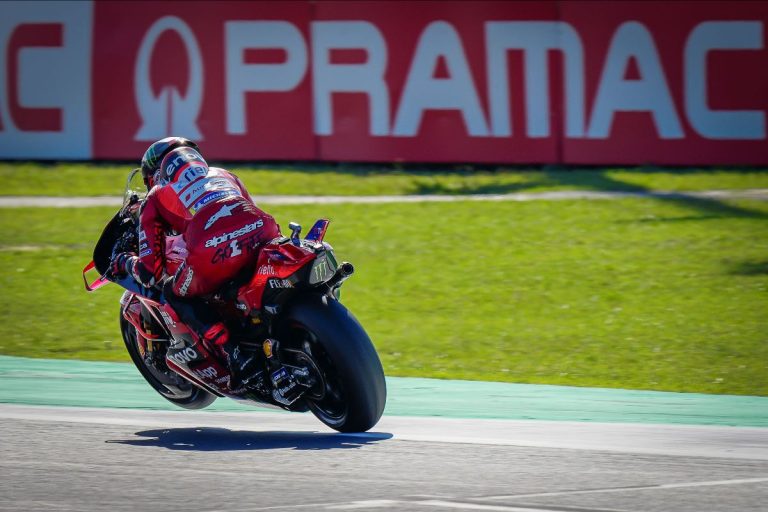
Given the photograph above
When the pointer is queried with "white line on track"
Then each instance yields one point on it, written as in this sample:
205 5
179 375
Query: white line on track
462 505
681 440
681 485
558 195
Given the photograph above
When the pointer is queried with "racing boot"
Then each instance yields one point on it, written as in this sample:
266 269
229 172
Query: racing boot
241 366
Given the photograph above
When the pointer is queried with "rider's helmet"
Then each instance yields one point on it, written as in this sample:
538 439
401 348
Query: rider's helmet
183 161
150 162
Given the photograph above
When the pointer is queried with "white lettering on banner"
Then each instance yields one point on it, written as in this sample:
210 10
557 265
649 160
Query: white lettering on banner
648 94
61 53
243 78
35 67
535 39
367 78
423 92
156 110
724 124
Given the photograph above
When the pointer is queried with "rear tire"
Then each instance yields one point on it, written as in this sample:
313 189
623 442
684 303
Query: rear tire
355 389
168 384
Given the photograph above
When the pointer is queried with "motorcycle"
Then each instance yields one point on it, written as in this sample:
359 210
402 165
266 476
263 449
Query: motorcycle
313 353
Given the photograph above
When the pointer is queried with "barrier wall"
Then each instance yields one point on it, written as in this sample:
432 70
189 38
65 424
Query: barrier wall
572 82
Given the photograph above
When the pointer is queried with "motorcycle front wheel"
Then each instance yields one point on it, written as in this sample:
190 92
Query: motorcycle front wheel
351 392
170 386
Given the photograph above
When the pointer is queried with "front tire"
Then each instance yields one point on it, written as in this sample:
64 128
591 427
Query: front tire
168 384
355 390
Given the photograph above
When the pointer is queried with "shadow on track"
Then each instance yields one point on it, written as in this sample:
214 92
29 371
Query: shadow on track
222 439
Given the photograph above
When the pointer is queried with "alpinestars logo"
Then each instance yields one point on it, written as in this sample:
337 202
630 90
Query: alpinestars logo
216 240
224 211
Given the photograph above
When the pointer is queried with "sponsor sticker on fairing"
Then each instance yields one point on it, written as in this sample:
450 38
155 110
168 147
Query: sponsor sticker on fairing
207 373
168 319
280 283
266 270
216 240
184 356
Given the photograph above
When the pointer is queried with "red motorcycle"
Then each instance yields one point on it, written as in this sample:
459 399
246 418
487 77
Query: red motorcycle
314 355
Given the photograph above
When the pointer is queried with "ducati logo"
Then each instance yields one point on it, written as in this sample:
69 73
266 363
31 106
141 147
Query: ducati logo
169 112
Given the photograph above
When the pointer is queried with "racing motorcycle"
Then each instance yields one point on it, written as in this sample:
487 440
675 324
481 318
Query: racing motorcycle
313 353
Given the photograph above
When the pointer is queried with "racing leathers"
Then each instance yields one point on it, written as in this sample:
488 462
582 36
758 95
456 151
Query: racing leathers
223 231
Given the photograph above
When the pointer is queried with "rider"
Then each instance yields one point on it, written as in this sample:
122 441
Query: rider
222 227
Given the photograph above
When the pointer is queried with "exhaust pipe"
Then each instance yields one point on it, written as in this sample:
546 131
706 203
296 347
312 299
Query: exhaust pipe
345 270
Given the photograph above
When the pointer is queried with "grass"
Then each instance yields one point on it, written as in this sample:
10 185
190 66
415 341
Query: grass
65 179
644 294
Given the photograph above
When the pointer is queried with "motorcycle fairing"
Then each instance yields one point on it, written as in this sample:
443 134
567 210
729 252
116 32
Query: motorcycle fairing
277 263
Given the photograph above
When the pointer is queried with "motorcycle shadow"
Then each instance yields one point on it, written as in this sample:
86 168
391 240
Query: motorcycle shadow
222 439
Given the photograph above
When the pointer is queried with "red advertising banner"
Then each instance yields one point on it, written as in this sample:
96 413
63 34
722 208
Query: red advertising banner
673 82
231 75
578 82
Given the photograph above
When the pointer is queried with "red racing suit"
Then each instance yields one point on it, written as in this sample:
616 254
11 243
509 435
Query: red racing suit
222 228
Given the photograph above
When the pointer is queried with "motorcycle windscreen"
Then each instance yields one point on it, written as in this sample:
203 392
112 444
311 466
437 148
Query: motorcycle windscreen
102 253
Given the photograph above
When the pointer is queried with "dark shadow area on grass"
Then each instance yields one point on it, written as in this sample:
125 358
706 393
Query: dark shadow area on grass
601 181
714 209
222 439
749 268
708 208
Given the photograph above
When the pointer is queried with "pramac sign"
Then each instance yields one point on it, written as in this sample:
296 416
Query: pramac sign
516 82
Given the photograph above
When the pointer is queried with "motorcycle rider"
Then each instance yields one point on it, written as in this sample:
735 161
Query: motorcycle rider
222 227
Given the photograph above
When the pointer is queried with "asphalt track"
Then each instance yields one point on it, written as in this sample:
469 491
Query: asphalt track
128 455
95 459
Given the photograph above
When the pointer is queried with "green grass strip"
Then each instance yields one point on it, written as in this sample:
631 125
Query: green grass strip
639 293
67 179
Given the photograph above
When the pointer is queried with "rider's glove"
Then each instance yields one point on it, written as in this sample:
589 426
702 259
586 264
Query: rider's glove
119 265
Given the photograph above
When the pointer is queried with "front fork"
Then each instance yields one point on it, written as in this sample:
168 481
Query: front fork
147 341
178 353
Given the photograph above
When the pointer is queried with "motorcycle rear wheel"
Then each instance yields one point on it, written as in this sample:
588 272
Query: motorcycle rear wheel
173 388
355 391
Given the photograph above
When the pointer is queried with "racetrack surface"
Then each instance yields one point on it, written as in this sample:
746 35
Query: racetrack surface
54 458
